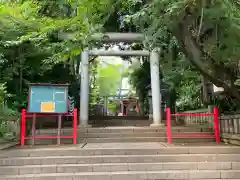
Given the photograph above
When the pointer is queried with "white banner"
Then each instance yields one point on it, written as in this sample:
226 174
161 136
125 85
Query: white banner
70 104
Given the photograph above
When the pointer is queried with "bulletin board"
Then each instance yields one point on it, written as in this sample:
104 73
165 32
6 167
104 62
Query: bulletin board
48 98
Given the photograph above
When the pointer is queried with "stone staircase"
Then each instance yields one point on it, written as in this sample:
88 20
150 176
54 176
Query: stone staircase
121 121
118 161
125 134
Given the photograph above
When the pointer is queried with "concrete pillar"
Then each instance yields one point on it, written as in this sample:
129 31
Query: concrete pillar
84 94
155 87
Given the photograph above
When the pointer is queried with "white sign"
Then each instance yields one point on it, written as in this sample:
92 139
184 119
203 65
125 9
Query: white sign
217 89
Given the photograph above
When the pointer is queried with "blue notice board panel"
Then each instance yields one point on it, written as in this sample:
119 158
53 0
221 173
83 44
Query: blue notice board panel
47 99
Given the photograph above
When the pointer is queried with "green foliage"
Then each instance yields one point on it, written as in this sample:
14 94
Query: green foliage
211 31
140 77
3 94
40 21
104 81
9 129
109 78
31 50
6 128
112 106
184 80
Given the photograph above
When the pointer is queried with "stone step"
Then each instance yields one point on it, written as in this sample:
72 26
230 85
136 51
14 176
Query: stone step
122 140
127 134
133 134
132 175
141 129
100 140
126 130
113 134
48 160
143 139
121 122
123 134
116 167
193 140
109 124
106 149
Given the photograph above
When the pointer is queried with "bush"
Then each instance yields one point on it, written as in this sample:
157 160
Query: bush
9 127
9 123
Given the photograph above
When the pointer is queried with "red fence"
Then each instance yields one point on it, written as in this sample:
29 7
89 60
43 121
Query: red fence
215 116
33 136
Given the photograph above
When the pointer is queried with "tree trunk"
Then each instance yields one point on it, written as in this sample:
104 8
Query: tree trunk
21 62
205 98
78 65
217 74
141 104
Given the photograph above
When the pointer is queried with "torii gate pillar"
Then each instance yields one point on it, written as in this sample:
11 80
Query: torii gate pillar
155 87
84 94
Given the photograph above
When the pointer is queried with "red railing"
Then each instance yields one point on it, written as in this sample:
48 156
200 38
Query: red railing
33 136
215 116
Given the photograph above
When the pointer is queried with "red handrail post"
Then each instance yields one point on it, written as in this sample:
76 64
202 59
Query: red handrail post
169 125
216 124
75 126
23 127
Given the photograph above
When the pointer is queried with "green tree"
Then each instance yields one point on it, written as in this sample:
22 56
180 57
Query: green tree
206 32
30 48
109 77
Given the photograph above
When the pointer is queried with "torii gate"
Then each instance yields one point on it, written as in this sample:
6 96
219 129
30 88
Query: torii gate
120 37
